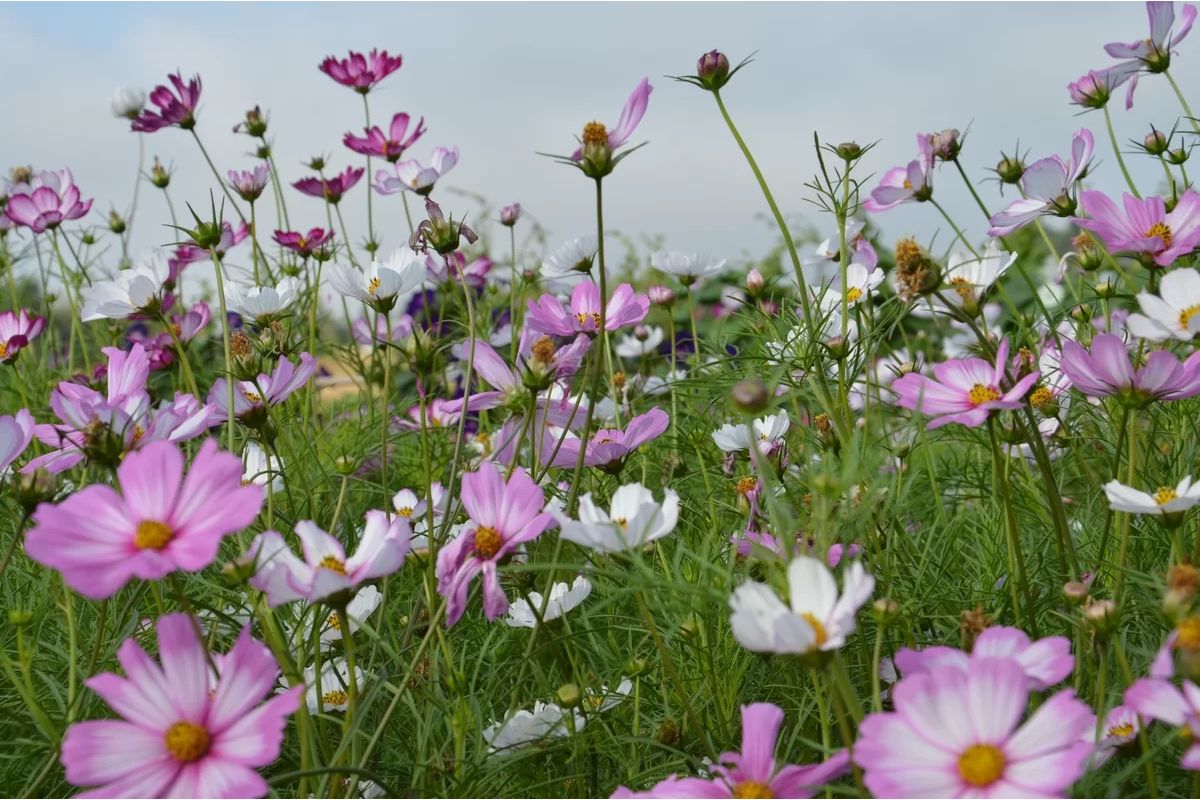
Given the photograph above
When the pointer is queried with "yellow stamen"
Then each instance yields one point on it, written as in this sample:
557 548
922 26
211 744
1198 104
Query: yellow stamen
373 286
187 741
818 628
487 541
1185 316
595 133
1162 231
152 535
335 622
853 294
333 563
746 485
405 511
254 397
335 698
1124 729
1164 495
981 764
981 394
1041 396
752 790
962 287
1188 631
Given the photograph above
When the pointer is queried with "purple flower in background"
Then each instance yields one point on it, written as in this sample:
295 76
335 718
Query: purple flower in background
1144 226
410 176
1095 88
17 330
362 73
1046 186
904 184
391 145
510 214
625 307
49 200
174 108
607 448
331 189
16 432
1153 55
304 244
249 184
1107 370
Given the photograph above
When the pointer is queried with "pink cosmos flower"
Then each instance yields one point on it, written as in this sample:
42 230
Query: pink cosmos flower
753 772
251 398
455 267
1046 186
17 330
184 732
1153 54
16 432
1045 662
174 108
249 184
538 357
326 569
410 176
391 145
958 733
1158 698
510 214
1094 89
631 116
191 322
904 184
181 257
331 189
1107 370
160 521
1121 726
304 244
608 448
1145 226
362 73
52 199
501 517
965 391
548 315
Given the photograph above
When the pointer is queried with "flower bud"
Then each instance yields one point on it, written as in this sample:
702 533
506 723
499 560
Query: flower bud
885 610
1010 169
1156 142
255 124
945 145
316 163
712 69
596 154
1178 156
848 151
971 623
668 732
1075 592
116 223
661 296
510 214
568 695
1101 615
754 283
641 333
635 666
19 617
749 397
33 488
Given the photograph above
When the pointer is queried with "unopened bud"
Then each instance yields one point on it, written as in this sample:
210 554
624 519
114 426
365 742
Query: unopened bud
945 145
1101 615
19 617
713 70
754 282
1156 142
885 610
568 695
661 296
750 397
1178 156
1010 169
849 151
116 223
1075 592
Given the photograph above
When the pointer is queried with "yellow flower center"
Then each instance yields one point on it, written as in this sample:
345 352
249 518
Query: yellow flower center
595 133
962 287
622 523
818 628
752 789
3 349
335 622
592 702
1164 495
152 535
543 350
333 563
1124 729
187 741
1041 396
1188 634
746 485
254 397
853 294
981 764
582 317
1185 316
405 511
373 286
487 541
335 698
907 184
981 394
1161 230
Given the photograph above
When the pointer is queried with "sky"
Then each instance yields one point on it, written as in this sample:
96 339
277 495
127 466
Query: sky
504 81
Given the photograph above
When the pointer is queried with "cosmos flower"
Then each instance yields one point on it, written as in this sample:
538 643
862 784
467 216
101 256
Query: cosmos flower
1120 727
634 519
1173 313
1045 662
753 772
1145 226
1179 706
958 733
175 108
189 324
510 214
823 263
971 277
134 291
362 73
47 203
1093 90
548 315
249 405
573 258
901 185
383 281
159 521
366 600
305 244
391 145
127 103
965 391
17 330
597 134
768 433
1166 501
523 728
1153 54
264 303
502 515
16 432
249 184
1107 370
330 189
818 619
259 470
525 611
331 692
410 176
608 448
326 571
688 267
1046 186
644 342
185 732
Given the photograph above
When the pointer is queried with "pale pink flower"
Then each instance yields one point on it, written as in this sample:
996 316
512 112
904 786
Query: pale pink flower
1045 662
16 432
17 330
548 315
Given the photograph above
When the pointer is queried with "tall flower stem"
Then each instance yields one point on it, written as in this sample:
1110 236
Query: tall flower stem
76 330
225 338
184 367
254 243
1000 471
370 202
351 678
383 408
137 185
1126 521
957 231
224 188
1112 137
337 207
1187 110
1058 512
971 188
512 293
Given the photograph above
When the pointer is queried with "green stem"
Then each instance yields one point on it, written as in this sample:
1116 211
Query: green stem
225 339
1010 528
1187 110
957 232
220 182
1112 137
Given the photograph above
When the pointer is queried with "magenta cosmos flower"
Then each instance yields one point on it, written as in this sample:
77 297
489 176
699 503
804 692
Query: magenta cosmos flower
501 517
174 108
16 432
908 183
391 145
160 520
607 448
539 361
965 391
596 133
17 330
251 398
1047 187
625 307
753 772
54 200
1153 54
1045 662
250 183
185 732
362 73
305 244
331 189
958 733
1107 370
326 569
1145 226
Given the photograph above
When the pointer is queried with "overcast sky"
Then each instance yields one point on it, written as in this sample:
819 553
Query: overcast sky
502 81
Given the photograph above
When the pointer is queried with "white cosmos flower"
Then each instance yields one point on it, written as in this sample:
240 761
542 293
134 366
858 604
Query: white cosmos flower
262 302
127 103
523 613
546 720
572 258
334 692
860 282
258 471
413 508
633 347
383 281
359 609
971 277
600 700
688 267
823 264
767 431
1172 314
129 291
634 519
817 618
1164 501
